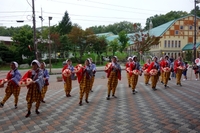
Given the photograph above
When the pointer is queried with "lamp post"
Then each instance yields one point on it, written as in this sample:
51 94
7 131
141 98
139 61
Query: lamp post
50 18
195 28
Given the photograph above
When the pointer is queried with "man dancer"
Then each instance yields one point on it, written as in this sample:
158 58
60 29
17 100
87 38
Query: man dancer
113 74
13 77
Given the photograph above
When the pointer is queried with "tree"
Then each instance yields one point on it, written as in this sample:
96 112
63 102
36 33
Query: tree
123 39
81 40
115 28
197 11
66 46
100 45
143 42
114 46
161 19
24 41
65 25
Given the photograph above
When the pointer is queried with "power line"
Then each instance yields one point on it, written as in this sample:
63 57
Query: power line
16 11
101 7
93 16
123 6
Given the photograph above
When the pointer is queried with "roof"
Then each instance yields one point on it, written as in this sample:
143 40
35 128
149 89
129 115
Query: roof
160 30
190 46
107 34
6 38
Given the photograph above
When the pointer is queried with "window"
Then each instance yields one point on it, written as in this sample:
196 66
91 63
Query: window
169 44
181 27
165 43
176 32
175 44
179 44
172 43
190 27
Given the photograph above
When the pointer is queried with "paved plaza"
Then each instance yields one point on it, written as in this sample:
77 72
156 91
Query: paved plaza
172 110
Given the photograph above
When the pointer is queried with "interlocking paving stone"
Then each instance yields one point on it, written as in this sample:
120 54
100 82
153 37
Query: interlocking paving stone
172 110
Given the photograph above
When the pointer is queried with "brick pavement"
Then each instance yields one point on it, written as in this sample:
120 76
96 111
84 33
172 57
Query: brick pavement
175 109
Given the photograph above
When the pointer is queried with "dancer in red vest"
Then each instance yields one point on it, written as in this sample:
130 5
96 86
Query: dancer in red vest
128 64
12 78
113 74
178 69
154 69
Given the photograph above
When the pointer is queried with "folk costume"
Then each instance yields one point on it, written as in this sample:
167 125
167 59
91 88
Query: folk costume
146 74
93 66
35 88
154 69
67 79
113 74
13 77
161 63
165 67
128 64
46 81
135 72
84 78
178 69
185 71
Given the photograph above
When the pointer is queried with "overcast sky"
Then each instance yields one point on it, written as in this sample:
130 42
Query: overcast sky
87 13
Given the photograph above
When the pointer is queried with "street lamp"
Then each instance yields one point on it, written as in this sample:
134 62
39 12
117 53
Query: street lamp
50 18
195 28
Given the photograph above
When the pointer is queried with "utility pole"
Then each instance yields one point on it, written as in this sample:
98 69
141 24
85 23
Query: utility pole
34 31
50 18
195 27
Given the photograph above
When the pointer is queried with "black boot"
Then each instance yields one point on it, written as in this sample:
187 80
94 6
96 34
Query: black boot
28 114
37 112
1 105
108 98
86 101
80 103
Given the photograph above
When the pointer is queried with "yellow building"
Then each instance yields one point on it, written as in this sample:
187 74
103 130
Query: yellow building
177 37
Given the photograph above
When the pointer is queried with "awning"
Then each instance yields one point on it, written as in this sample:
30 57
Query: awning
190 46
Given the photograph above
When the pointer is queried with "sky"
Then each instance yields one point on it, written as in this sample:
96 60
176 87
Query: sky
87 13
